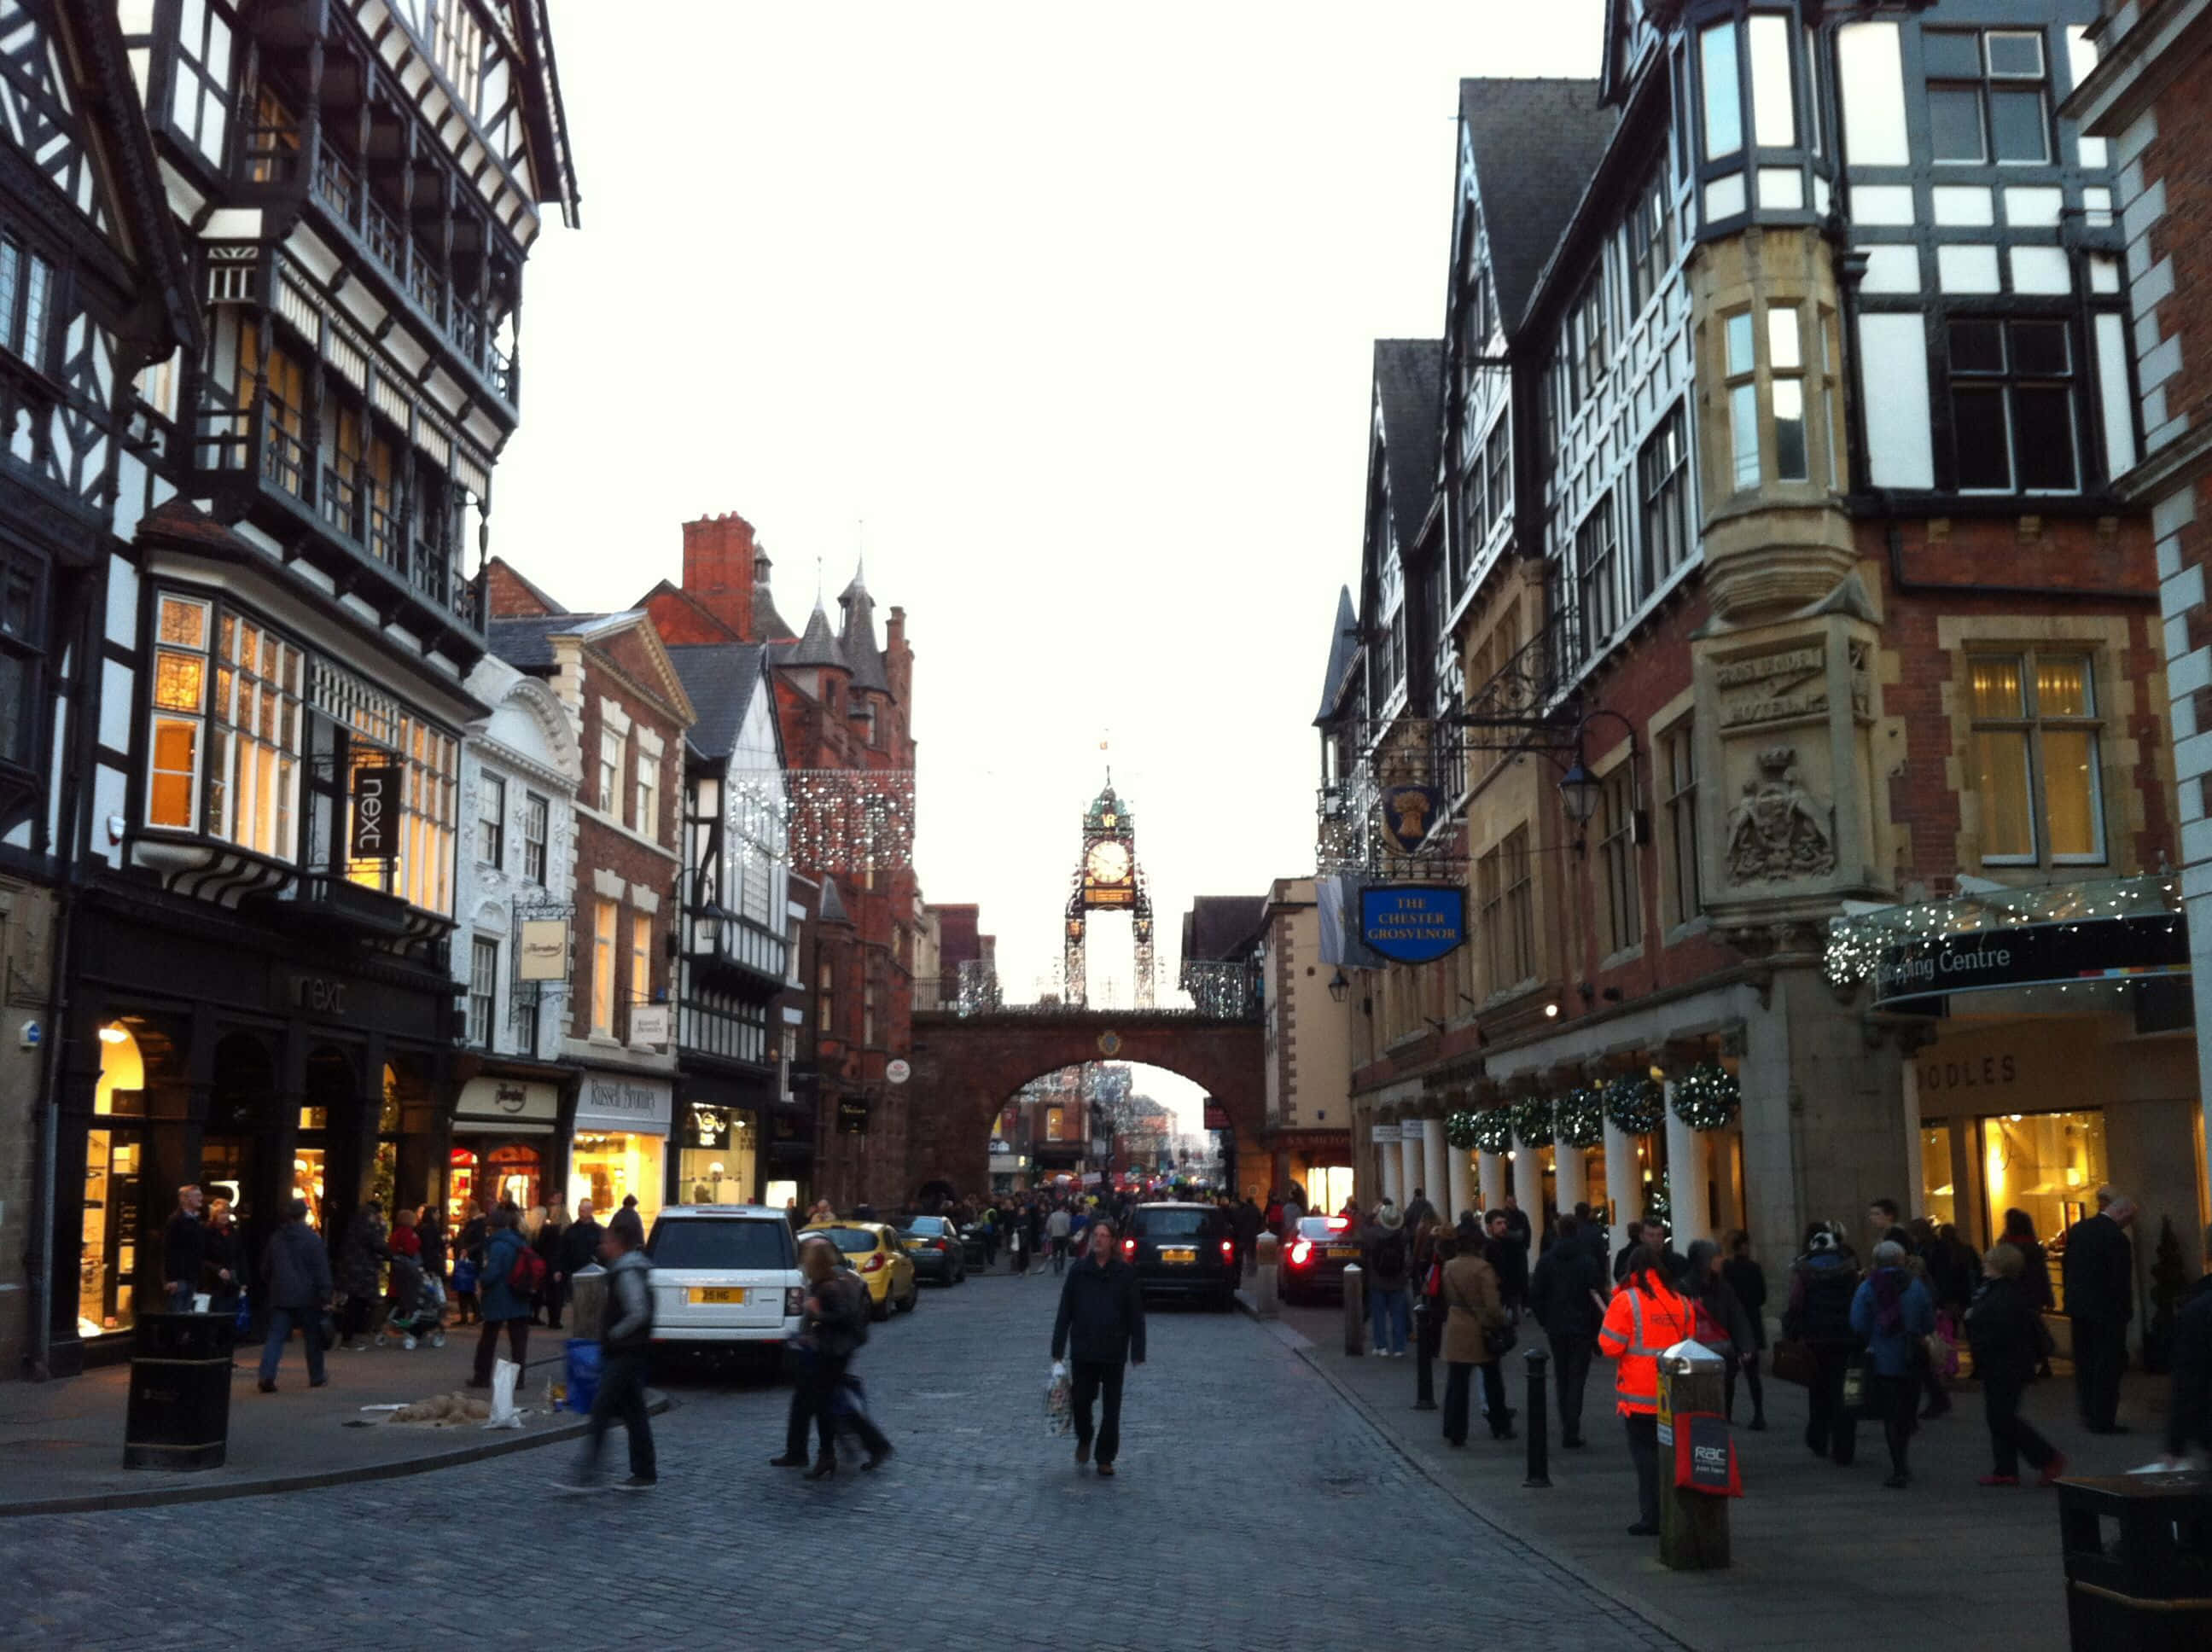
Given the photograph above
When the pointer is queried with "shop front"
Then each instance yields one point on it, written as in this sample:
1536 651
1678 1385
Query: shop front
718 1155
1319 1161
620 1148
195 1052
505 1139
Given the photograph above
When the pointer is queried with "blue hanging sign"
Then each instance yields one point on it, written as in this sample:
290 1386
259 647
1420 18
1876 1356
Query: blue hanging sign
1413 923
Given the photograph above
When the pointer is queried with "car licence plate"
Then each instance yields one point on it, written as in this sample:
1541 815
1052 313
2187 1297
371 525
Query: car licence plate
718 1293
1335 1251
914 1244
1178 1255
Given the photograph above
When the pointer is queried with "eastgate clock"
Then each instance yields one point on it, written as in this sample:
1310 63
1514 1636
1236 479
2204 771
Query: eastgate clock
1108 879
1108 863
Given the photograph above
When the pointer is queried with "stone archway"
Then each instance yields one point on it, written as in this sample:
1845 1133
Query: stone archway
966 1066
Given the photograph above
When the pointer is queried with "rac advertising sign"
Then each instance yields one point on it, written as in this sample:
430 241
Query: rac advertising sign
1413 923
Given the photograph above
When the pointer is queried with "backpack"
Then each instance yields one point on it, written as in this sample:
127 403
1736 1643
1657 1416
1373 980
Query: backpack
527 1277
1390 1256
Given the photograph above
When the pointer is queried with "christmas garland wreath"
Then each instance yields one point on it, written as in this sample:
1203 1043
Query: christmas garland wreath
1532 1121
1578 1118
1707 1097
1637 1106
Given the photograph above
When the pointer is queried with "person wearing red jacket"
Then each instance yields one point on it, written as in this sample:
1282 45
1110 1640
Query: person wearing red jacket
1644 1318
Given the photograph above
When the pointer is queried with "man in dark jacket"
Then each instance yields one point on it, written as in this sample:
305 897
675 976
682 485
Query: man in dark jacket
184 1250
1101 1327
1510 1257
2189 1417
1567 1295
1822 1281
2004 1328
2100 1278
625 1345
296 1282
1653 1234
546 1242
580 1249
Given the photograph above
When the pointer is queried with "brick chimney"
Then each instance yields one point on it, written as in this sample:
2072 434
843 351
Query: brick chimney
719 557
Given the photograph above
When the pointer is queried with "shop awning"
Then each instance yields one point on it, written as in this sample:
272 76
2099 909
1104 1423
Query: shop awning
1988 940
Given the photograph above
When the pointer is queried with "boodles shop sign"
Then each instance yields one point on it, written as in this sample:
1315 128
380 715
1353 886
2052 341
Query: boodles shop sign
1413 923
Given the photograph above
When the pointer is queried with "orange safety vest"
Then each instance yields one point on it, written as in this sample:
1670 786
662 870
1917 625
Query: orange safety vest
1624 1335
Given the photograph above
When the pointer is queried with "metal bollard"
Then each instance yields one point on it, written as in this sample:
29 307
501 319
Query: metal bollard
1355 1311
1540 1442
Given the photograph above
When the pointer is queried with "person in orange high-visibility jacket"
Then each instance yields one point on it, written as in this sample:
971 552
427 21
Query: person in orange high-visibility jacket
1644 1318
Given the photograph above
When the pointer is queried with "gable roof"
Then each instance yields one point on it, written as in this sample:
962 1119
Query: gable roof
832 908
529 584
1221 927
1343 646
527 644
708 616
1529 191
721 678
1409 389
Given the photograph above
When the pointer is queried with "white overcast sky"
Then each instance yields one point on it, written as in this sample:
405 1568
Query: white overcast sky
1073 308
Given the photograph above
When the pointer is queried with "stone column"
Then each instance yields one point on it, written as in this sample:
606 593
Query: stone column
1573 1177
1390 1161
1410 1175
1624 1186
1687 1193
1433 1160
1459 1185
1491 1181
1528 1189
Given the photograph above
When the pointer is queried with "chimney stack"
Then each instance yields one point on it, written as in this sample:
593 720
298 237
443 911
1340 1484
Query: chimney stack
720 559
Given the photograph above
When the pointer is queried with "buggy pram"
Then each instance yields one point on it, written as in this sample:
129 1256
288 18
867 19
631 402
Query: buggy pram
418 1307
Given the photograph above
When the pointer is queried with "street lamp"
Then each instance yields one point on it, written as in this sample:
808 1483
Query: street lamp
1578 791
1340 987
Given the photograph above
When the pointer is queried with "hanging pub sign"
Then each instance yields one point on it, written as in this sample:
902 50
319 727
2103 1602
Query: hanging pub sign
1407 813
1413 923
2033 955
1217 1115
376 812
544 953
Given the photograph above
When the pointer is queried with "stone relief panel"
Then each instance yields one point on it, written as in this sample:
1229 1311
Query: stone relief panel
1777 830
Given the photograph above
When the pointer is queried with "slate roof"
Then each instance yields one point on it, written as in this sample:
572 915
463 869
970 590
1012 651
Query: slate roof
1536 144
1343 644
858 639
832 909
818 647
1219 927
1409 383
720 678
526 643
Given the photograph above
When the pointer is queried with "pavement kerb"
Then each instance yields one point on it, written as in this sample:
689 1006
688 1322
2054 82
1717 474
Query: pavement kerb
163 1496
1318 1358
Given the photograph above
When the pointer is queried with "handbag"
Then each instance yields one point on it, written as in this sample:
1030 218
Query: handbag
1793 1362
1498 1341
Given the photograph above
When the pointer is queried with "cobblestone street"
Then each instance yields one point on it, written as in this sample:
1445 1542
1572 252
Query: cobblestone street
1253 1508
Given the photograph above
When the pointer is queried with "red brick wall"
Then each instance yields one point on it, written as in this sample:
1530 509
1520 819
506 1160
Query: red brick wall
718 552
508 597
2180 158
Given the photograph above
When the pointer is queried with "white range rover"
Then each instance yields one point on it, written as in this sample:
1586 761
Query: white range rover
724 1276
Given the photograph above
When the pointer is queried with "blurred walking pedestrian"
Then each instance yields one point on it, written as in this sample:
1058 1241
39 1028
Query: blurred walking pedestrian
2005 1329
2099 1271
1384 1248
1748 1280
1892 1312
1100 1328
625 1348
1822 1281
1567 1295
184 1250
361 1254
1475 1321
502 1303
295 1283
835 1326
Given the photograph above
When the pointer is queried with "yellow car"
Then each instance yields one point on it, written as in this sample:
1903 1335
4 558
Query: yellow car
875 1253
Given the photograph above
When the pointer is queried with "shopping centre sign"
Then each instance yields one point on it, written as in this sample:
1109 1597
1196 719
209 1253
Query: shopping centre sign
2064 954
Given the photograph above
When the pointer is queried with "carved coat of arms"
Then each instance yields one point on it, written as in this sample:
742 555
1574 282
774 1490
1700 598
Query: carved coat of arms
1776 831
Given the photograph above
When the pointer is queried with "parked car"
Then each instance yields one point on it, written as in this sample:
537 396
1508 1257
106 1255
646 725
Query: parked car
875 1252
1183 1250
934 1244
1314 1261
724 1276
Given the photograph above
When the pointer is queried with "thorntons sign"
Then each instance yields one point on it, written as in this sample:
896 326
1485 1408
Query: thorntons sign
612 1101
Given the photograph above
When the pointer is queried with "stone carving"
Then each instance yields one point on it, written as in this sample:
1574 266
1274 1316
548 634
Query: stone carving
1773 687
1777 831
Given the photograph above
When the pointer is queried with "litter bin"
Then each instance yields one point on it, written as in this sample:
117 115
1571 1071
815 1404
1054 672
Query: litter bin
2138 1556
180 1410
588 1303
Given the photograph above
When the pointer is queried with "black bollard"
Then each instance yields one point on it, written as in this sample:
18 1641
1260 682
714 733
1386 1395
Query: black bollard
1425 1390
1540 1431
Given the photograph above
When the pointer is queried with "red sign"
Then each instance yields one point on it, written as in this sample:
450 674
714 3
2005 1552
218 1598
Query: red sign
1216 1116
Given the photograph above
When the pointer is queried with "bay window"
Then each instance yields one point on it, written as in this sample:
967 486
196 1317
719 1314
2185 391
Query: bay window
26 298
226 733
1662 475
1739 361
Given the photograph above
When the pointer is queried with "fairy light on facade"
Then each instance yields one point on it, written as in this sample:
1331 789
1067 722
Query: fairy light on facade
1856 941
837 820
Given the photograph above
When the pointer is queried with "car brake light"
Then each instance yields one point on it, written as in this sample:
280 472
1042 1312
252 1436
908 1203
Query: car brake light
874 1264
1338 1223
794 1301
1128 1247
1300 1251
1228 1247
939 1244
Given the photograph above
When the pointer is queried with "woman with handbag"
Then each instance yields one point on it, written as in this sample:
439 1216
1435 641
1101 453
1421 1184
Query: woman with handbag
1476 1333
1819 1319
1893 1311
1431 1250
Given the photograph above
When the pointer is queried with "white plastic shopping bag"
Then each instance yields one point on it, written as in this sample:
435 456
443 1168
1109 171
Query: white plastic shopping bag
1059 1411
504 1375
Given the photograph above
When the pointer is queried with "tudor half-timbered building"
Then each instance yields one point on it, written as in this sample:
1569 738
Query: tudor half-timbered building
1800 623
259 996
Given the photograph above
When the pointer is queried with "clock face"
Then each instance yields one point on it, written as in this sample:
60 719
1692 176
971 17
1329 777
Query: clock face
1109 863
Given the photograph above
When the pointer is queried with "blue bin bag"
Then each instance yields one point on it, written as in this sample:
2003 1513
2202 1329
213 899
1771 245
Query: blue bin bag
583 1372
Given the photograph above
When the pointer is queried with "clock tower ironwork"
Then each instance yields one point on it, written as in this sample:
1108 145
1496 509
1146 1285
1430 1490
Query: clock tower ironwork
1108 879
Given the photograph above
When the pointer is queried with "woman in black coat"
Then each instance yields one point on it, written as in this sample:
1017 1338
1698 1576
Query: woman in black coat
2004 1328
1748 1281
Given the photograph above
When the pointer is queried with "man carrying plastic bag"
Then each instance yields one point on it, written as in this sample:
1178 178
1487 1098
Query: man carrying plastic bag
1102 1325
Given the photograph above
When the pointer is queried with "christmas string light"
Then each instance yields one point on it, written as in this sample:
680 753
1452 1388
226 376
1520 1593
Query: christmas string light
1707 1097
1856 941
835 820
1532 1121
1493 1129
1463 1130
1637 1106
1578 1117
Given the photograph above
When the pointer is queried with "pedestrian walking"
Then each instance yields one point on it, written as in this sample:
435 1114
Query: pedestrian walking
430 1228
2098 1272
1891 1311
625 1348
224 1269
1384 1248
2189 1413
547 1242
1645 1316
503 1302
1418 1211
295 1283
579 1248
1510 1256
1432 1247
1057 1228
184 1250
402 1289
2005 1329
1475 1321
361 1254
1516 1222
1100 1329
1567 1294
1748 1280
1822 1281
1722 1324
834 1325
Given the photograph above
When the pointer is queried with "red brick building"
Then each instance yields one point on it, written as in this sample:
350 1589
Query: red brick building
614 678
